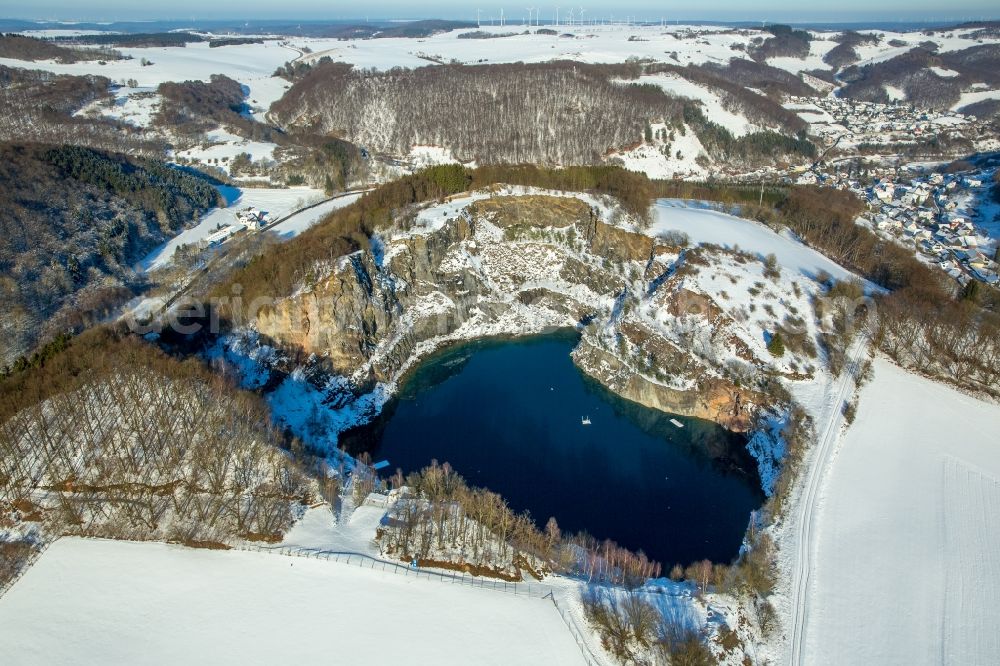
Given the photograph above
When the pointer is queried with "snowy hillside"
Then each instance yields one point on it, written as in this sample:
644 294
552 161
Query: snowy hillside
763 70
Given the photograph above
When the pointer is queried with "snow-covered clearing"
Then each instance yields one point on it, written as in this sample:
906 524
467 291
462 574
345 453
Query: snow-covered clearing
974 96
126 602
944 73
134 106
425 156
705 224
712 102
275 202
895 94
907 559
665 159
818 48
222 146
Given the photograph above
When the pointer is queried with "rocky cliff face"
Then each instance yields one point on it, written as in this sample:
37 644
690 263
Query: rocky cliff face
710 398
507 266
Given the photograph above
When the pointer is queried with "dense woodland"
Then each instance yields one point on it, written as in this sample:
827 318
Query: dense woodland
845 52
133 39
191 108
234 41
39 106
750 148
20 47
75 221
773 81
130 443
553 113
784 42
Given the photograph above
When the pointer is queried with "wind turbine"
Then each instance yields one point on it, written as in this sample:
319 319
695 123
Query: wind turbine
530 9
501 17
479 23
580 15
557 14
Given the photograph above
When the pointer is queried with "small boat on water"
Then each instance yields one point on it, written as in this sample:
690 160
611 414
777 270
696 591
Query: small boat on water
585 420
677 423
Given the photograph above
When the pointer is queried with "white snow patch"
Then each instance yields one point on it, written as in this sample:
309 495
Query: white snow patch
221 146
126 602
944 73
299 222
895 94
665 160
425 156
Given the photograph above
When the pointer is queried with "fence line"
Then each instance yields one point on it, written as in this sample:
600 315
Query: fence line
366 561
574 630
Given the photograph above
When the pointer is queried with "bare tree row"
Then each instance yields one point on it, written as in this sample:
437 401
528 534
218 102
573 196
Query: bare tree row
145 447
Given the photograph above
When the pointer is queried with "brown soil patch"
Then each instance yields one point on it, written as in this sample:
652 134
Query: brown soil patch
265 538
475 570
207 545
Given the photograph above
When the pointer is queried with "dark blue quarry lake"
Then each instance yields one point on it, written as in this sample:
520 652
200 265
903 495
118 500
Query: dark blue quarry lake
507 416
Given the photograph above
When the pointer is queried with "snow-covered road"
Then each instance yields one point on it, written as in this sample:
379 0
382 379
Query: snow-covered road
805 519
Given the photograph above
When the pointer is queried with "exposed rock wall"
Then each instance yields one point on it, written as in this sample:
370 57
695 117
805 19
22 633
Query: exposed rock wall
712 398
370 316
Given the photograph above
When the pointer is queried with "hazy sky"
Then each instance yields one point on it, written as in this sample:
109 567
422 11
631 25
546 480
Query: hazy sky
734 10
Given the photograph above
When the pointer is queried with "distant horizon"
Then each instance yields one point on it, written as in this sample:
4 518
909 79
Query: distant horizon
512 22
710 11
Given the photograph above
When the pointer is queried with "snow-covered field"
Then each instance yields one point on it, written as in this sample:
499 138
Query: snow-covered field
907 559
682 44
250 64
975 96
89 601
299 222
705 224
